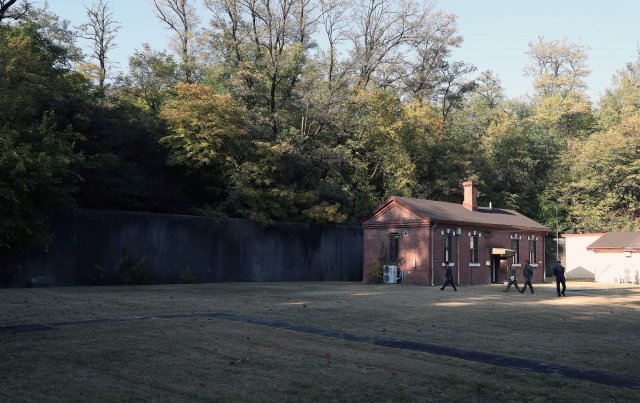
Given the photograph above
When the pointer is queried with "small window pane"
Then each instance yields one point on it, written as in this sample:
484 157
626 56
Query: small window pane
394 247
515 245
446 243
473 249
532 251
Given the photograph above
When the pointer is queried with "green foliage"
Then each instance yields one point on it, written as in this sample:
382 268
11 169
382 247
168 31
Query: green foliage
378 143
376 275
38 157
325 213
276 134
186 277
151 79
36 181
443 155
205 127
559 67
126 272
623 98
603 188
256 190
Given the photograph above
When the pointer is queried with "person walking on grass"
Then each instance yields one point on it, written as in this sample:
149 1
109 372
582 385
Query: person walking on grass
448 278
513 278
528 274
558 271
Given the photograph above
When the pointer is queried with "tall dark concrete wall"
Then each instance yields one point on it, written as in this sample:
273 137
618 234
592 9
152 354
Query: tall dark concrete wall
211 250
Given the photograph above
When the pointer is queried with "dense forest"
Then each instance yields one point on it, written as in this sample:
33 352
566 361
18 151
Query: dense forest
301 110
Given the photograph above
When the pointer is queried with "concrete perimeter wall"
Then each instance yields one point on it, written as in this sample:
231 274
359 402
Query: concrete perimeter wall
210 250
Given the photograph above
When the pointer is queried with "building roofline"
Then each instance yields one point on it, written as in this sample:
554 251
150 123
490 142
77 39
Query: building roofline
388 204
581 235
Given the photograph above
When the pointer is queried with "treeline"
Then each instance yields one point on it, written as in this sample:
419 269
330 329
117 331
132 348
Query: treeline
302 110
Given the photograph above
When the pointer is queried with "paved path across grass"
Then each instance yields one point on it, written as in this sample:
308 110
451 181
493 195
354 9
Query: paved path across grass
600 377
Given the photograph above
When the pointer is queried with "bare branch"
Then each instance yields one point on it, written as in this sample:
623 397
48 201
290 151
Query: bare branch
181 17
101 31
14 14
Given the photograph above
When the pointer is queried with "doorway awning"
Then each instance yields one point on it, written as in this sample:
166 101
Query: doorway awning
502 252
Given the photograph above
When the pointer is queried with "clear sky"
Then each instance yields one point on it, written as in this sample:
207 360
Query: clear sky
496 33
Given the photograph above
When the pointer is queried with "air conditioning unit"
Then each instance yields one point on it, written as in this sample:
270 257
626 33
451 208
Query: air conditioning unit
390 274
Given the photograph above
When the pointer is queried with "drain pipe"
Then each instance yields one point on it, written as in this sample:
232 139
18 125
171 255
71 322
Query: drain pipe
432 268
458 253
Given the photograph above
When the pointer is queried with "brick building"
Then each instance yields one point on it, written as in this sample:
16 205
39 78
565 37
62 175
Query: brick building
420 235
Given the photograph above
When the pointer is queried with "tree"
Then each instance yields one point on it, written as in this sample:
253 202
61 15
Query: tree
623 98
100 31
152 77
399 44
470 127
443 156
569 117
263 45
522 160
205 127
558 66
602 189
453 86
181 17
598 190
482 106
206 137
38 160
7 12
333 15
559 69
377 143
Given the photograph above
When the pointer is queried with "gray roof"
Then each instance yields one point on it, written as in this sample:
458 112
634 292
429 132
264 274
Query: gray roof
617 240
453 212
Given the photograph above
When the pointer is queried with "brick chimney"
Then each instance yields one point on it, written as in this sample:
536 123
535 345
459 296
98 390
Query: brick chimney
470 195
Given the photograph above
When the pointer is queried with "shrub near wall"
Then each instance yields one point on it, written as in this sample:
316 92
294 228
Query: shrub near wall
178 248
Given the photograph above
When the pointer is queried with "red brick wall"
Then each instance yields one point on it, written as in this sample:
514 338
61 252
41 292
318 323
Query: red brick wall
467 273
413 251
415 245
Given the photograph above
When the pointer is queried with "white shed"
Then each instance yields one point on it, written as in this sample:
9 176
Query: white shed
617 257
580 262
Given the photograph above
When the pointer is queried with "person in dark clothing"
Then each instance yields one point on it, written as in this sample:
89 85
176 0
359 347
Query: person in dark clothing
448 278
513 279
528 274
558 271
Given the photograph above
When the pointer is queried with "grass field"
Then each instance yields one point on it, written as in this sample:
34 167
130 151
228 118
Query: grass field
203 358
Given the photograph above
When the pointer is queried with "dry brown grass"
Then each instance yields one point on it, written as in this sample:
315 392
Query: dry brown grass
213 359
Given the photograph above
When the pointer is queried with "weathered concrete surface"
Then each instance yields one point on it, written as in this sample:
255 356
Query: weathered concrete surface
210 250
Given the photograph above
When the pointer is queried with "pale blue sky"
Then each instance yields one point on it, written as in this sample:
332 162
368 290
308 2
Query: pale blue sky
496 33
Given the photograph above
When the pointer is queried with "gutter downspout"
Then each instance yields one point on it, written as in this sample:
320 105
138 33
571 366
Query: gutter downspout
544 261
458 254
432 268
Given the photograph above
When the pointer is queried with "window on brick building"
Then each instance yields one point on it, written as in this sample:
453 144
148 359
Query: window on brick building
394 247
447 241
532 251
515 245
473 249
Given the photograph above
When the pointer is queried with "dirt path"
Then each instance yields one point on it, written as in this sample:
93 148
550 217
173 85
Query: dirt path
600 377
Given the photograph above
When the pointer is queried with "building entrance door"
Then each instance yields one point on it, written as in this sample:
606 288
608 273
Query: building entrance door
495 267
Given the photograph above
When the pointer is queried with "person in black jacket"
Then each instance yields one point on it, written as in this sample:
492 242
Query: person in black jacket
558 271
528 273
513 279
448 278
